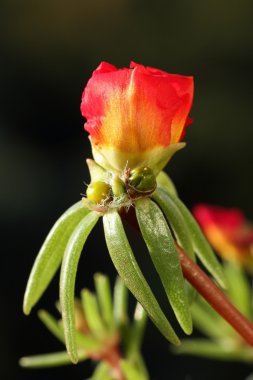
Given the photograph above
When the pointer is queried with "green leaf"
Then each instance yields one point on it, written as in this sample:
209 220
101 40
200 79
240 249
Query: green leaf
176 221
92 314
102 372
213 350
205 321
165 257
52 325
163 180
104 295
120 302
127 267
137 329
49 360
68 276
200 244
180 230
130 371
137 359
239 290
86 342
50 255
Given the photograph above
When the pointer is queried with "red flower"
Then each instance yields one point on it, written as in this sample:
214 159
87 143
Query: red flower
136 116
228 232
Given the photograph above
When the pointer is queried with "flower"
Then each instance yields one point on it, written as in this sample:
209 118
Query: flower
136 116
228 231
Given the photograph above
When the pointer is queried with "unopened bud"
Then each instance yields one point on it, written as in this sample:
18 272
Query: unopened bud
118 186
142 179
98 191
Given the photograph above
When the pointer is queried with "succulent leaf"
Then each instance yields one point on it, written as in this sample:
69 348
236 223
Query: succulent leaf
201 246
49 360
68 276
165 257
50 255
127 267
104 296
164 181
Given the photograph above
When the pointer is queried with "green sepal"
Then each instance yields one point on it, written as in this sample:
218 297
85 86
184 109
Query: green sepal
104 296
92 314
54 359
127 267
213 350
50 255
97 173
164 181
165 257
201 246
68 276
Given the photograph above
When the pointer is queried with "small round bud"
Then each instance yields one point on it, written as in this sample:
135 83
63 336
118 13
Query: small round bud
142 179
98 191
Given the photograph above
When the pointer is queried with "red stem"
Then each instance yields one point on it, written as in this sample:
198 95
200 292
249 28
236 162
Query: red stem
215 297
207 288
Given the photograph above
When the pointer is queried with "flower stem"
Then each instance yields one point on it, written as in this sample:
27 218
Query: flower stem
215 297
207 288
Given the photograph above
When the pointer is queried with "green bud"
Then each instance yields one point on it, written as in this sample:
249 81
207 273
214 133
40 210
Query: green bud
118 186
142 179
98 191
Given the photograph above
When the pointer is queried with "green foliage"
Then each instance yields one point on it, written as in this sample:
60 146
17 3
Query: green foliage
67 279
50 256
99 328
221 341
164 255
103 313
200 245
165 182
128 269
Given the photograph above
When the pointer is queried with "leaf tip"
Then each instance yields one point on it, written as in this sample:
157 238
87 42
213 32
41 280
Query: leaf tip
23 362
73 356
188 328
26 308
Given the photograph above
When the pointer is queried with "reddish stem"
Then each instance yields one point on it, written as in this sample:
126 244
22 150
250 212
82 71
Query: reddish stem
207 288
215 297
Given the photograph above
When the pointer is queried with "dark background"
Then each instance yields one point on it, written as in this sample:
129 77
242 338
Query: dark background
48 50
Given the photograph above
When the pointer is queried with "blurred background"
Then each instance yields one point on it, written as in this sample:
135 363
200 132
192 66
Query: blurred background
48 51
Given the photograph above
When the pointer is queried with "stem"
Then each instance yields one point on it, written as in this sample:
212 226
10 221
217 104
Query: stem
207 288
215 297
112 356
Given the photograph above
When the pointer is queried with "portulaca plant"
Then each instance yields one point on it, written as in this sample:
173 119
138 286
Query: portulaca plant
136 119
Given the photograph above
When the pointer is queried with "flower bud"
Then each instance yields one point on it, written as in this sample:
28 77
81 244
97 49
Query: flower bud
142 179
118 186
98 191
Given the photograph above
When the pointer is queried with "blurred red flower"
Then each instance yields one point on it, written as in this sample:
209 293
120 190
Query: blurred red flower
228 231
